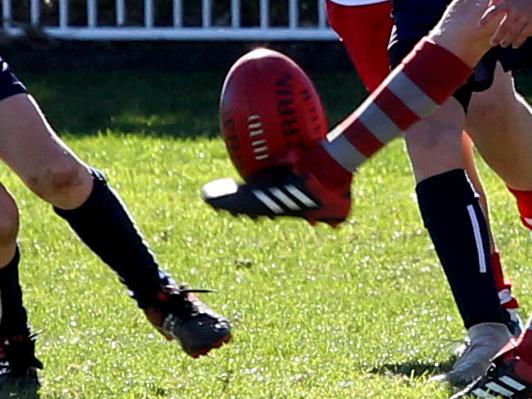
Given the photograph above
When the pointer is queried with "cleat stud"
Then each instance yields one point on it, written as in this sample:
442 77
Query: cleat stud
214 345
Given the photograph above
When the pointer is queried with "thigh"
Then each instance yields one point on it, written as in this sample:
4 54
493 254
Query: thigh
30 147
435 143
28 144
8 210
500 123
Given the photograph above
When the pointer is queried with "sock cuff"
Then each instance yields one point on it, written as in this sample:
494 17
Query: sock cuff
436 189
99 181
103 223
436 70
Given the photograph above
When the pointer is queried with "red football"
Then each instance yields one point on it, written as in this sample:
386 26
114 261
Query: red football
268 106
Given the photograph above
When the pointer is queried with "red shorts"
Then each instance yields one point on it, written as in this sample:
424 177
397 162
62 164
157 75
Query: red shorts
365 32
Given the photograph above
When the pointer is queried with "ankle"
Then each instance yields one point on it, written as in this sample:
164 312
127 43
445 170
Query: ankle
317 162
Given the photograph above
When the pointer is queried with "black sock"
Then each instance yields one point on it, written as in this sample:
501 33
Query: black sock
105 226
14 316
452 214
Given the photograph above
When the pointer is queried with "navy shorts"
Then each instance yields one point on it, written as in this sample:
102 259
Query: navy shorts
9 83
413 19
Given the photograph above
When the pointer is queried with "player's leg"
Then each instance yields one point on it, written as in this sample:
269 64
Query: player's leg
365 33
455 221
437 154
444 194
503 116
18 361
364 30
361 29
17 345
82 196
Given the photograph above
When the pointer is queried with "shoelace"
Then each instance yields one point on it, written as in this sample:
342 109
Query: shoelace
194 290
179 303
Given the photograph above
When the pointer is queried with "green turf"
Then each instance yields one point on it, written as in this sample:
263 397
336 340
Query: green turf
358 312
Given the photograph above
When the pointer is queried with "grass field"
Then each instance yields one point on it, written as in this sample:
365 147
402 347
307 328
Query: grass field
358 312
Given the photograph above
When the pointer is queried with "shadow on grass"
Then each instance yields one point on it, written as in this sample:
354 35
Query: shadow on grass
415 369
87 102
153 103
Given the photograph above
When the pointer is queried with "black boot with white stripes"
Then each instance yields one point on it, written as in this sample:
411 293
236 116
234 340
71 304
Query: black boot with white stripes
281 192
509 376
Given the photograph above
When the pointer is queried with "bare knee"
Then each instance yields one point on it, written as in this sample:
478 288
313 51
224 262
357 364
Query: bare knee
434 152
424 140
63 183
434 145
9 219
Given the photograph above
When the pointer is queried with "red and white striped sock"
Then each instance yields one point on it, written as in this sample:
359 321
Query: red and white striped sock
524 344
524 204
504 287
427 77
